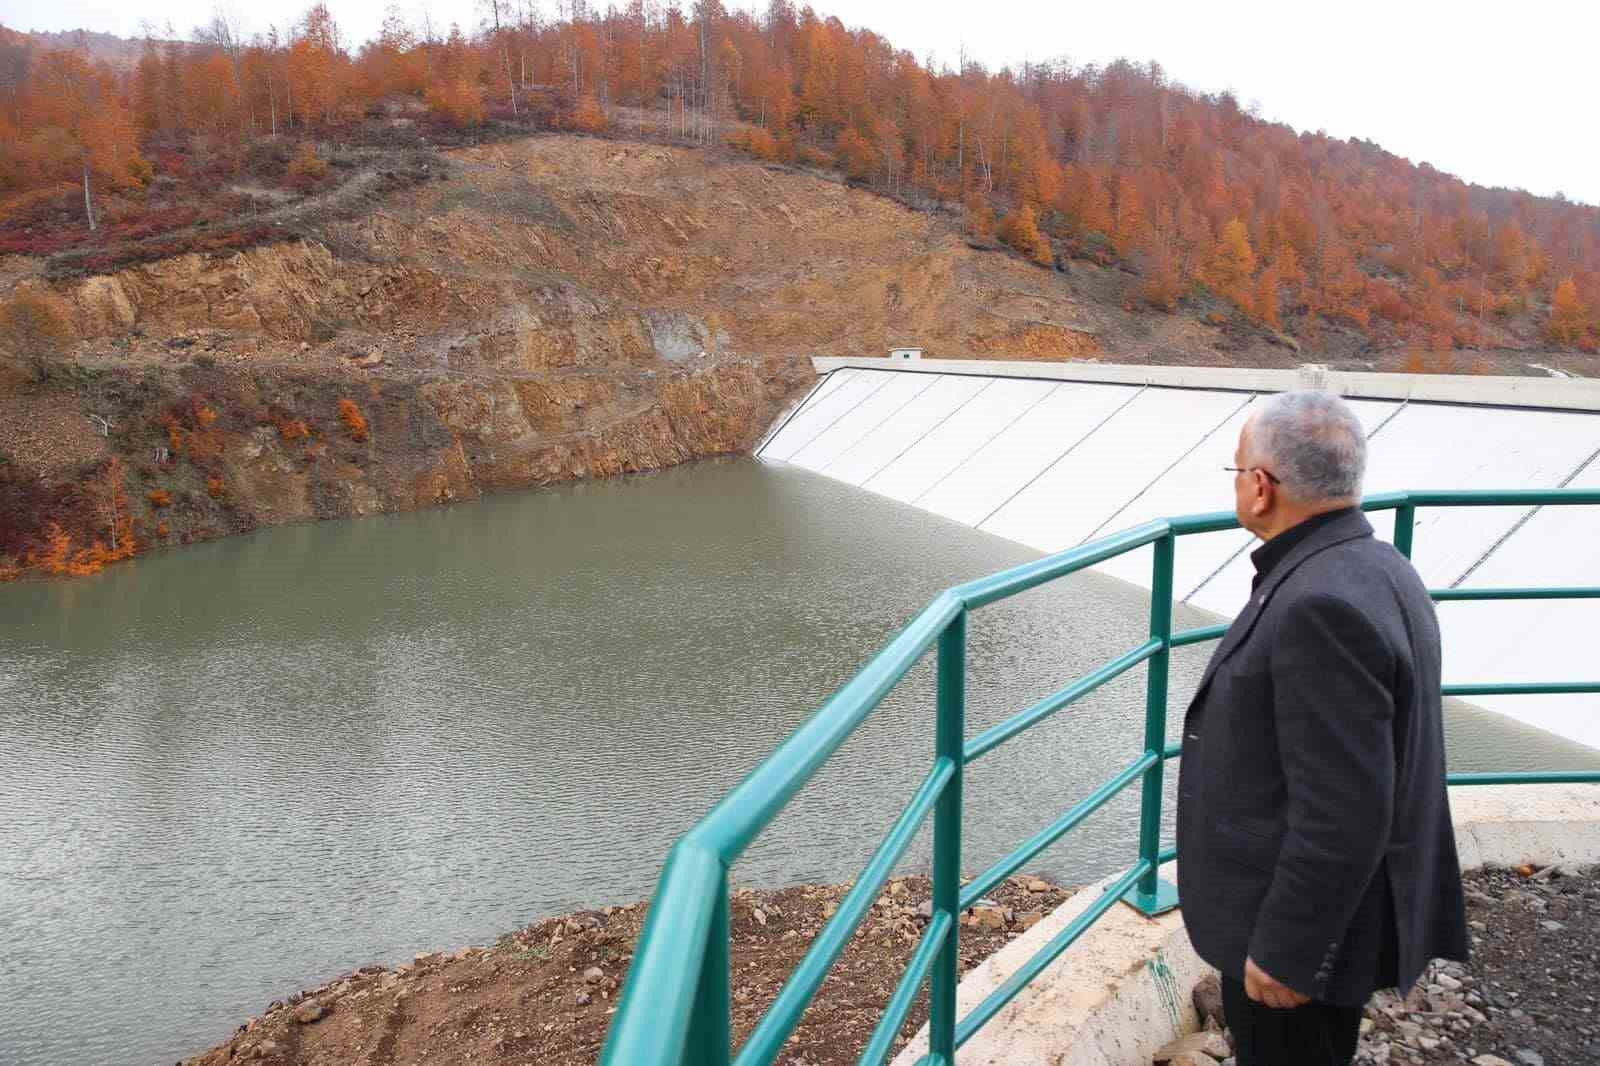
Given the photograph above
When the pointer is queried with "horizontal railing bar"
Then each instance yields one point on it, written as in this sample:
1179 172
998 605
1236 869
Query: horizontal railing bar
1047 954
756 800
1009 865
1523 688
676 934
905 994
985 590
1505 498
1166 855
1554 593
1385 501
1528 777
1210 522
781 1018
994 736
1173 750
1196 636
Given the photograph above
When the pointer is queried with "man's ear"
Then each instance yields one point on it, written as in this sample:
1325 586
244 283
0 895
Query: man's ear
1264 491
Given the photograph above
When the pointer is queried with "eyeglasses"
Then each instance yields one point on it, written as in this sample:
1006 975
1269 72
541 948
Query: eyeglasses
1246 469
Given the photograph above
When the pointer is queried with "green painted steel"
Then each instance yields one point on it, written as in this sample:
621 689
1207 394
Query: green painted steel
1148 896
1198 635
1529 777
1405 527
1053 832
996 735
711 1027
766 1041
905 992
675 1007
1047 954
1447 595
949 732
1523 688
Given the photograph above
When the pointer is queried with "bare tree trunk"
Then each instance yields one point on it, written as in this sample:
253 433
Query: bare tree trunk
88 200
505 54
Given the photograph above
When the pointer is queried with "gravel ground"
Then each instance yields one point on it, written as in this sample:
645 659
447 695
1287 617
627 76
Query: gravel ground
1530 996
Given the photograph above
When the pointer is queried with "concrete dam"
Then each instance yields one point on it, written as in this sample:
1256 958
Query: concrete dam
1051 455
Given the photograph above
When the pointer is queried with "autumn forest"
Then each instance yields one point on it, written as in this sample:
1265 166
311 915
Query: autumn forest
1298 231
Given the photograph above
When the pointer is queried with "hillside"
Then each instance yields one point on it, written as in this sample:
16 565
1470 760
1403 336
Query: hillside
1339 245
542 309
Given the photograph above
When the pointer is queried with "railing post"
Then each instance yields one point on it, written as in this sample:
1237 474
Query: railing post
1151 894
1405 518
950 737
711 1025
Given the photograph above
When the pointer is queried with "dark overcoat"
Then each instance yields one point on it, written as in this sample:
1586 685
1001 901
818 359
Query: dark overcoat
1314 831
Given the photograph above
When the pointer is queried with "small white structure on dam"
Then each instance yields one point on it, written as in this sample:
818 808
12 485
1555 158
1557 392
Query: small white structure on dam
1053 454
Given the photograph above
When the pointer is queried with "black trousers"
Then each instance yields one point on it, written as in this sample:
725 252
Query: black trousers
1317 1034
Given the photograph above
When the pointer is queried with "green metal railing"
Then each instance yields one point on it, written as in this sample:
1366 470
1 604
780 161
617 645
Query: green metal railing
676 1007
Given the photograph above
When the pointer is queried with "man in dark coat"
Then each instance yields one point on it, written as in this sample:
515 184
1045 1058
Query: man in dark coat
1317 861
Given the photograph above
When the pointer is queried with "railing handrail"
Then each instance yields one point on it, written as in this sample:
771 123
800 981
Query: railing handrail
677 994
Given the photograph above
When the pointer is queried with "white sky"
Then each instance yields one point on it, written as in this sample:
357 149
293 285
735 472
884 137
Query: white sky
1497 93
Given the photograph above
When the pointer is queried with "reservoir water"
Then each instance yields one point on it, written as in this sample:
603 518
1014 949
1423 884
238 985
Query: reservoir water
234 770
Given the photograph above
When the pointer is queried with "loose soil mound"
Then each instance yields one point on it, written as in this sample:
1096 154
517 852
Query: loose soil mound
545 995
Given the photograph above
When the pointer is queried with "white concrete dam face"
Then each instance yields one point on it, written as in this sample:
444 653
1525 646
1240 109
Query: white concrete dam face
1053 463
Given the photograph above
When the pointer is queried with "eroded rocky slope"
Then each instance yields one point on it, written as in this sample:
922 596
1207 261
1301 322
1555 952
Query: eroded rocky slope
551 308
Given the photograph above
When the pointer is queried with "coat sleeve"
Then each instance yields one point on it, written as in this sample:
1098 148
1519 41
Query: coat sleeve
1333 705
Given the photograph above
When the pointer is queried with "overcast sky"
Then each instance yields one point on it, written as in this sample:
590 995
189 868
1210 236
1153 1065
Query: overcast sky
1498 93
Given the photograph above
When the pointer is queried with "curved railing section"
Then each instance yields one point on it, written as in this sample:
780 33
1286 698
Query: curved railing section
675 1008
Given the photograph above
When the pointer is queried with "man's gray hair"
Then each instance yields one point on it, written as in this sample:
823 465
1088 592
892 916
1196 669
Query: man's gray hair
1313 442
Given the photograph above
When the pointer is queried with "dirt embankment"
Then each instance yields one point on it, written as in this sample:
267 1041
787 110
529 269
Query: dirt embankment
545 994
559 307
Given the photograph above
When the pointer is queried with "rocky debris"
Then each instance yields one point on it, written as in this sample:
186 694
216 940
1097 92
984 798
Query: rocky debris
547 992
1529 997
1204 1047
1193 1058
990 918
308 1012
1208 1000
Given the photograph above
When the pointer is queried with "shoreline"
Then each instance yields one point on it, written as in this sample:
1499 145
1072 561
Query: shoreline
545 993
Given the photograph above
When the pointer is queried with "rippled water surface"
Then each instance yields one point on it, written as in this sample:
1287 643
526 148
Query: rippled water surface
233 770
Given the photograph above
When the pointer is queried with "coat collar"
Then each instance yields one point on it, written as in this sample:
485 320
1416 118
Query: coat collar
1348 526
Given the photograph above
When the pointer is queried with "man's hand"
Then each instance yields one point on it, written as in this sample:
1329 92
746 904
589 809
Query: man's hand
1267 990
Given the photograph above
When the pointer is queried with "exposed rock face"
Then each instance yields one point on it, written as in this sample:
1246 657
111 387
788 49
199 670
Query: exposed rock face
212 450
496 332
562 307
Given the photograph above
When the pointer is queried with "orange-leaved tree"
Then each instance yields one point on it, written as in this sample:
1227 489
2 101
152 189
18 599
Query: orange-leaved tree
1568 317
74 126
1020 229
1232 264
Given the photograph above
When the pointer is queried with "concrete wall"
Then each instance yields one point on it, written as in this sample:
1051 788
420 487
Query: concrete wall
1052 455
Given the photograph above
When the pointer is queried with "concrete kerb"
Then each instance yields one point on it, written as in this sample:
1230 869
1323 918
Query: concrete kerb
1123 990
1571 394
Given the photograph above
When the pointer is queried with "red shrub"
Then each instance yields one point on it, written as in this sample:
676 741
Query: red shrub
355 423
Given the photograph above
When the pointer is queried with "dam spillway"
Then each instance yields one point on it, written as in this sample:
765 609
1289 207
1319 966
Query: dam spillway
1053 455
